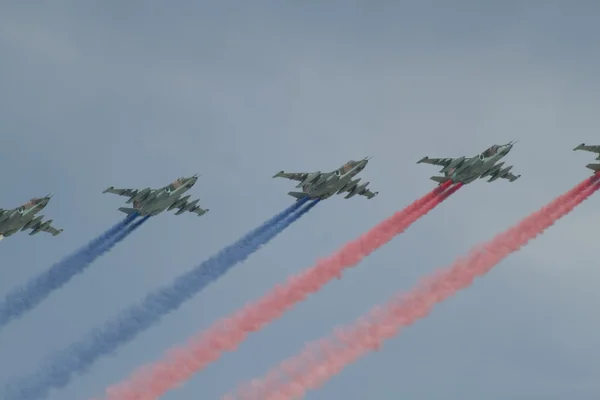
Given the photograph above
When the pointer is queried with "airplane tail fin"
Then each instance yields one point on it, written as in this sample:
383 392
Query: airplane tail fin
298 195
440 179
593 167
128 210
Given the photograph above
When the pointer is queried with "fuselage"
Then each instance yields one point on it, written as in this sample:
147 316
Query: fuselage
333 182
473 168
13 220
158 200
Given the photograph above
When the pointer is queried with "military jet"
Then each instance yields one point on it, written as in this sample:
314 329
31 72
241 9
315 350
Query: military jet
23 217
322 185
593 149
154 201
467 169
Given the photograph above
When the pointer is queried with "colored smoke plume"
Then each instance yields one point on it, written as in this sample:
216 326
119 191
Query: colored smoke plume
180 364
323 359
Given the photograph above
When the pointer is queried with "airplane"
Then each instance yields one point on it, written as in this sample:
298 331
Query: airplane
23 217
593 149
467 169
322 185
154 201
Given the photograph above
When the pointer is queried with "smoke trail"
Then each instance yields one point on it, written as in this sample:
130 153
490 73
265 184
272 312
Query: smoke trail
323 359
60 367
180 364
267 226
25 298
108 245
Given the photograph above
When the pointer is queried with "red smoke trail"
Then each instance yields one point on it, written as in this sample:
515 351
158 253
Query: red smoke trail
182 363
323 359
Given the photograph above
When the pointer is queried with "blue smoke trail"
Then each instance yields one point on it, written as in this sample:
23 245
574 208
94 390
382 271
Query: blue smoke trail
273 221
120 236
77 358
25 298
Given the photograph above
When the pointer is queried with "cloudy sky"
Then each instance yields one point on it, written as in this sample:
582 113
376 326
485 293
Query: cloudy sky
136 94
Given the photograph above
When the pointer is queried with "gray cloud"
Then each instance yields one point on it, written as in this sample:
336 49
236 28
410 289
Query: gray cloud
137 96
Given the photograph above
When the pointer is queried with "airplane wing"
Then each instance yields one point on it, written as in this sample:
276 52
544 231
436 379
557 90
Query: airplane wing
44 227
504 174
511 177
353 189
294 176
184 205
442 162
583 146
367 193
122 192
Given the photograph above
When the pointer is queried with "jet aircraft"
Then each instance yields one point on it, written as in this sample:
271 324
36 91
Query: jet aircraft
322 185
154 201
467 169
23 217
593 149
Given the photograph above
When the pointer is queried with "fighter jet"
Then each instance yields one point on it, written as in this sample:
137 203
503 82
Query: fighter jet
154 201
593 149
322 185
468 169
23 217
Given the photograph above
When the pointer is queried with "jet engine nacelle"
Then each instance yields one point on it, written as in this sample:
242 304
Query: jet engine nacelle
333 175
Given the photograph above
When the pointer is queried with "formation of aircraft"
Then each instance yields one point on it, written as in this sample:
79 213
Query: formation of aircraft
467 169
322 185
24 217
313 185
154 201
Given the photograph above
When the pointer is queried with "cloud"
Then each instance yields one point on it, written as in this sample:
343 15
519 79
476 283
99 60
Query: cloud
137 96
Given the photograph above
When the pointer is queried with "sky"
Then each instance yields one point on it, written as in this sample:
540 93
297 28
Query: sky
135 94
